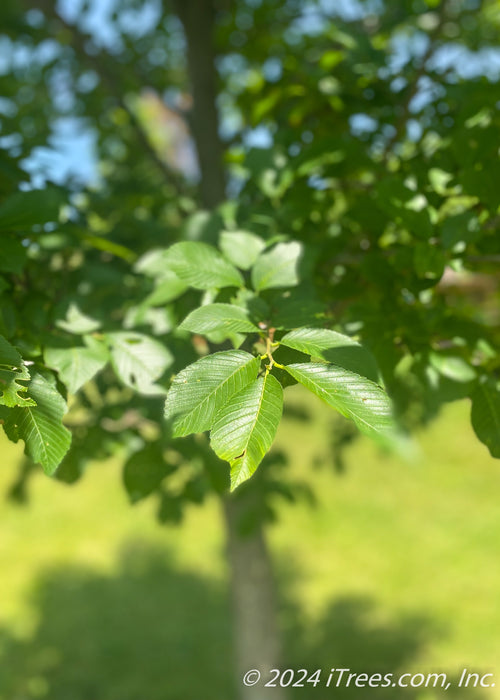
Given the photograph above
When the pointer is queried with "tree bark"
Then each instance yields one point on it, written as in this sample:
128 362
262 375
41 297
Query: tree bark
197 17
257 641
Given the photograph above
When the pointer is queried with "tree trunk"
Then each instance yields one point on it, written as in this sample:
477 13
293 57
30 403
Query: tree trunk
257 640
256 636
197 19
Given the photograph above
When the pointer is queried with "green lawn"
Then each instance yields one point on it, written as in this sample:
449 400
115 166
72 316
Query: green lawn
395 569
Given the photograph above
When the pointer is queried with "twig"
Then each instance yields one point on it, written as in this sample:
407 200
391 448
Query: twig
413 88
112 83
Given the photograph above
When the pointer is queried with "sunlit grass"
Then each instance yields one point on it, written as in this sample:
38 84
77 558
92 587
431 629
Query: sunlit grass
403 553
88 524
414 539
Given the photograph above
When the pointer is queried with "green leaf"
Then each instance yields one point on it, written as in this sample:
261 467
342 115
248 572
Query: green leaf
246 425
355 397
219 337
241 247
394 198
8 354
3 284
295 308
462 228
278 267
144 471
160 320
12 370
333 347
168 287
101 243
77 365
45 437
25 209
14 254
256 308
485 415
77 322
439 180
202 388
201 266
452 367
429 261
153 263
218 317
139 361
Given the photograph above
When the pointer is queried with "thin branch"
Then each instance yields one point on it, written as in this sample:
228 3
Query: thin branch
482 258
420 72
357 258
112 83
197 17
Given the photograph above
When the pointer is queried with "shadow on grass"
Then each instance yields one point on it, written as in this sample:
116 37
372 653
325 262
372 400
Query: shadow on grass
152 632
149 632
349 637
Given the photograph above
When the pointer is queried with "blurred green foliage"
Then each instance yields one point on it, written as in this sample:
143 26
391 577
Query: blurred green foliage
352 132
369 136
